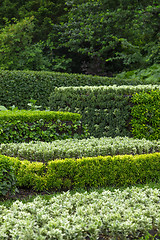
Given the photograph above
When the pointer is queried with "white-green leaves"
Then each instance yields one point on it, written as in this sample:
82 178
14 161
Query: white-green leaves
117 214
75 148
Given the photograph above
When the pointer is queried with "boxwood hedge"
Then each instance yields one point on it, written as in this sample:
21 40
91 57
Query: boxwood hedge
26 126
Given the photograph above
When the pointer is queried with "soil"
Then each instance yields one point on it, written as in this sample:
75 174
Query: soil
24 194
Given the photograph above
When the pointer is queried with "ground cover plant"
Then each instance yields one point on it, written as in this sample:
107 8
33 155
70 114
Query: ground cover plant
121 214
75 148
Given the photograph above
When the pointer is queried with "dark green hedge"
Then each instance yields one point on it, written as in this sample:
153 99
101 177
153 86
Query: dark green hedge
7 177
26 126
18 87
146 115
87 172
106 109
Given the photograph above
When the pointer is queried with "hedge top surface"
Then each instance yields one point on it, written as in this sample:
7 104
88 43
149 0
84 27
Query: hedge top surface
126 88
29 116
91 147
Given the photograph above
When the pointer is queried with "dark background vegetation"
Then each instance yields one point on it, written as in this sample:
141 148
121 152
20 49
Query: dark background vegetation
98 37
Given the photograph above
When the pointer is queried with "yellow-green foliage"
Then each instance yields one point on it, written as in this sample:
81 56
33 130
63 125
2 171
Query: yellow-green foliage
146 115
87 172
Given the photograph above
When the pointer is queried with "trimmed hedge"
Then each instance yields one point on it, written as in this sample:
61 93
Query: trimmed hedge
7 177
87 172
18 87
106 109
25 126
146 115
74 148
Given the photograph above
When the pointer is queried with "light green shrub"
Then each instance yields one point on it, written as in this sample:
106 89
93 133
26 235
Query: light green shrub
87 172
74 148
146 115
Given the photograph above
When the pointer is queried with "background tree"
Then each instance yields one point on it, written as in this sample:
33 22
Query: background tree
17 51
101 37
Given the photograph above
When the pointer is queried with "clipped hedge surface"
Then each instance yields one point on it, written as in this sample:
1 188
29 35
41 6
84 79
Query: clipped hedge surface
146 115
75 148
18 87
25 126
87 172
7 177
106 109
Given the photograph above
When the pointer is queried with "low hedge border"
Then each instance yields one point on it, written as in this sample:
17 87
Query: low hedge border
77 148
26 126
88 172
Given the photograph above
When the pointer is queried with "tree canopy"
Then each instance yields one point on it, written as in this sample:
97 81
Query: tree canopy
99 37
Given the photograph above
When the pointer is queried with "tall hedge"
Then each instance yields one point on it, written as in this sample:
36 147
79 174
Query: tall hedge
106 109
18 87
146 115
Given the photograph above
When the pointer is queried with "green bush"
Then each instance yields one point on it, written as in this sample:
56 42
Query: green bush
106 109
87 172
75 148
39 85
7 177
146 115
25 126
18 87
150 75
103 171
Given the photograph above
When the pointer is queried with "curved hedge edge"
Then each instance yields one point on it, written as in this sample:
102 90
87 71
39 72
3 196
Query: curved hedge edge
87 172
31 116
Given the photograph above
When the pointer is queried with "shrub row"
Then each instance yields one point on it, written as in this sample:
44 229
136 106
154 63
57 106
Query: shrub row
74 148
146 115
87 172
131 213
18 87
106 110
25 126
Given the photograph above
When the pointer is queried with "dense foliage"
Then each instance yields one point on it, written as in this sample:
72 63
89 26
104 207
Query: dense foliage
97 37
88 172
75 148
38 85
26 126
146 115
7 177
118 214
106 109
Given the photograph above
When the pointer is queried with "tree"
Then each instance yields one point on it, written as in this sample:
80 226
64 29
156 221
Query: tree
17 50
115 35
